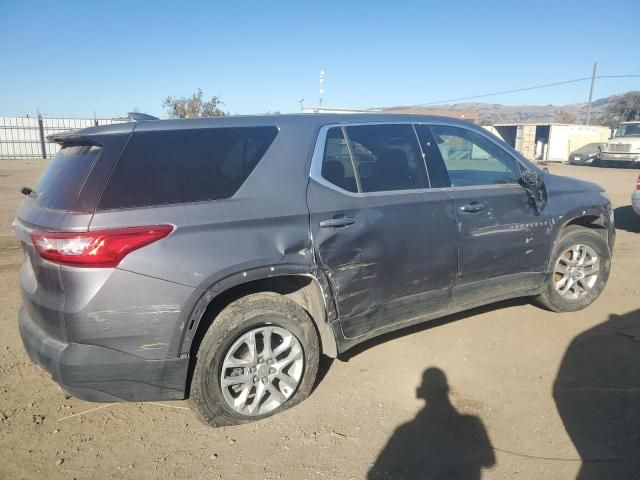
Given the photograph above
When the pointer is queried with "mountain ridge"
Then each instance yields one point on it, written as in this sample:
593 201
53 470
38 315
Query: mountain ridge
489 113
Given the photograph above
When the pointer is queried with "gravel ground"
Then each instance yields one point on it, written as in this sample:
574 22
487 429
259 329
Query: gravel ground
499 418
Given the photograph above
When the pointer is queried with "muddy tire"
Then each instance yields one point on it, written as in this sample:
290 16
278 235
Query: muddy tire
259 357
578 270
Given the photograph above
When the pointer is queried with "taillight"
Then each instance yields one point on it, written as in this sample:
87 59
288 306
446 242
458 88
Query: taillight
104 248
638 183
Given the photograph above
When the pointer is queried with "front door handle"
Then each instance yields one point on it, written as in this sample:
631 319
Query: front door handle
473 207
337 222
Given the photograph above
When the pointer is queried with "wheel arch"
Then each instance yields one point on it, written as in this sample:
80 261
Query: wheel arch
304 288
594 220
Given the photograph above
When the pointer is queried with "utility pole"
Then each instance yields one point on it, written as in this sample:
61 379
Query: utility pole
593 81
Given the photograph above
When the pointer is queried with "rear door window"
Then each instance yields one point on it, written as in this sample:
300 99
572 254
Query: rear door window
66 175
387 157
374 158
180 166
473 160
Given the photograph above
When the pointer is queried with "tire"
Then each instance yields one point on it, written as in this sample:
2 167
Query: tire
232 331
574 235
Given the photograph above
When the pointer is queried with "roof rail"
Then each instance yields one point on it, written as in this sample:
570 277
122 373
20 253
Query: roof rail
138 117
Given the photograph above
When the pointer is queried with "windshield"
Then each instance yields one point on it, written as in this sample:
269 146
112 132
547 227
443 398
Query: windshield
628 130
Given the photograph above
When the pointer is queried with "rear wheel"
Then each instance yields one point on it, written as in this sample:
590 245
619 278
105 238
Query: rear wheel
259 357
579 270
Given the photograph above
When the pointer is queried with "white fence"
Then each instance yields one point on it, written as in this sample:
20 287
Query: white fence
25 137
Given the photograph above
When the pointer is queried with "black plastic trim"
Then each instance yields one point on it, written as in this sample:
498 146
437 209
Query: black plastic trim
99 374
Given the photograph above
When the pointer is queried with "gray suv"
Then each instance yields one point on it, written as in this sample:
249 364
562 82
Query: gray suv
217 259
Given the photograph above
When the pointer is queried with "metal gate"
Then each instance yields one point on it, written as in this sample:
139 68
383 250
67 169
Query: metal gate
25 137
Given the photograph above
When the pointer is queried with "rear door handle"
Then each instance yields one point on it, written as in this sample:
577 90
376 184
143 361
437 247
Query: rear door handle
473 207
337 222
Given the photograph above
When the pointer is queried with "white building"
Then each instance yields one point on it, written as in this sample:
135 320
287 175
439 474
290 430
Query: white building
551 142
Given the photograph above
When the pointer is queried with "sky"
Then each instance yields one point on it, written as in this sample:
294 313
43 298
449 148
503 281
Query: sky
69 58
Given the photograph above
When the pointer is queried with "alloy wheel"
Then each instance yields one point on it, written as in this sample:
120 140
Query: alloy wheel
261 370
576 271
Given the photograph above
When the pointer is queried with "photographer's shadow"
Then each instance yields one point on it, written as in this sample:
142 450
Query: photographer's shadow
439 443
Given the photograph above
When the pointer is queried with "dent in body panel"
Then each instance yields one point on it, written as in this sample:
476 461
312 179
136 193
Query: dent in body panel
124 311
396 259
505 237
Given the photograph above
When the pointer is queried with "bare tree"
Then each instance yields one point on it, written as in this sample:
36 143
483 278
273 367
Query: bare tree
566 117
193 107
625 107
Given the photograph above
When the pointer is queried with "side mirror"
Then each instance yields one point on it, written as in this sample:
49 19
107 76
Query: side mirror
530 177
533 184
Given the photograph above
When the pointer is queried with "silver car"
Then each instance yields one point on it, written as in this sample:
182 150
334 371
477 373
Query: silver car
635 198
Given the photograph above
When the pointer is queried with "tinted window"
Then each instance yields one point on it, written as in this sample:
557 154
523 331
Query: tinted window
166 167
61 182
387 157
471 159
336 164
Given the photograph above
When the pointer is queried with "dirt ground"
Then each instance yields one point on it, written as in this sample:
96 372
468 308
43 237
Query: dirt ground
501 417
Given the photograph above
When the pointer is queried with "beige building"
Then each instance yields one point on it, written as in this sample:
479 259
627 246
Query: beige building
551 142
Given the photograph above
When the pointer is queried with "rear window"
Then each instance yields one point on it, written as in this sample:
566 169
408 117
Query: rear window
180 166
68 171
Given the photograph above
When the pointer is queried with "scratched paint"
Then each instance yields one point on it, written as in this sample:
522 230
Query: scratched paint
105 315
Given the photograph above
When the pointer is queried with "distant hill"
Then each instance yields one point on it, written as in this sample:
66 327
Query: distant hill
489 113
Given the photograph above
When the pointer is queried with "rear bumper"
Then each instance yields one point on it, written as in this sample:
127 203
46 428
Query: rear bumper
100 374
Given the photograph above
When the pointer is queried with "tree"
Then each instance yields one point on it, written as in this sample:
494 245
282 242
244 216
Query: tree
193 107
625 107
566 117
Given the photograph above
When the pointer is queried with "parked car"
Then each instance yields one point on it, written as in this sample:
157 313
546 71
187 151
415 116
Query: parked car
635 197
217 259
623 148
585 154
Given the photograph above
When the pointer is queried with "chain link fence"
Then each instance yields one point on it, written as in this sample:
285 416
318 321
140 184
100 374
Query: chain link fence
26 137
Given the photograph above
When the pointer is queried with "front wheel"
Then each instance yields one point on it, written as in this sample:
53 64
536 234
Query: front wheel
579 270
259 357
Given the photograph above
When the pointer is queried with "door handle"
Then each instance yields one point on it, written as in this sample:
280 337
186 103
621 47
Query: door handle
337 222
473 207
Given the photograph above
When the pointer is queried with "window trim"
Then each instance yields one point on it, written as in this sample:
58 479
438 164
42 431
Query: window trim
315 171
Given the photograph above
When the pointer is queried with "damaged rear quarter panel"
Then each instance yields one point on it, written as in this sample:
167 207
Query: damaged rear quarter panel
263 228
124 311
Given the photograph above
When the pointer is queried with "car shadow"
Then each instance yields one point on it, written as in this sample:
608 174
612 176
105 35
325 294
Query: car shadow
379 340
597 394
324 365
438 443
627 219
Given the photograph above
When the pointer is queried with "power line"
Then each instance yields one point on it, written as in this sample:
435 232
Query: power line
575 80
